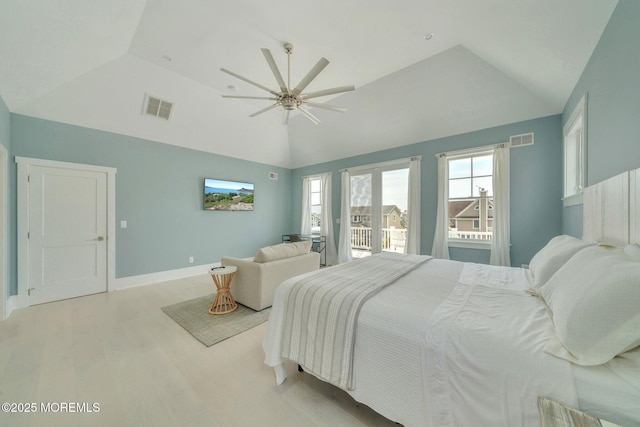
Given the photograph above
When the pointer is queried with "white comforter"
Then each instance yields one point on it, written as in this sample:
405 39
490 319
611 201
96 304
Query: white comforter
483 353
390 372
322 310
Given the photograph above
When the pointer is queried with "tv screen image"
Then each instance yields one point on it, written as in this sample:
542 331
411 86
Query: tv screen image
222 195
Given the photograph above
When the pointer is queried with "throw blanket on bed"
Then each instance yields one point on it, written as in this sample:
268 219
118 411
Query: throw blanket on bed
322 308
483 350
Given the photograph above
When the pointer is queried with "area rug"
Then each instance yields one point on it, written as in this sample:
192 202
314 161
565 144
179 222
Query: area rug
209 329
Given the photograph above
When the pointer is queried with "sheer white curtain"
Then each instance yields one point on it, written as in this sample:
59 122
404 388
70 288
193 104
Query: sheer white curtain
326 220
305 228
440 239
344 244
500 243
413 228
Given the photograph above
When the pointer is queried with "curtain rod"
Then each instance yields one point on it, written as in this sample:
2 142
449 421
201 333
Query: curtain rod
473 150
316 175
381 164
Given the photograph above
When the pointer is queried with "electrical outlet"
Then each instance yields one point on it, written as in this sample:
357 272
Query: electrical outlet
190 260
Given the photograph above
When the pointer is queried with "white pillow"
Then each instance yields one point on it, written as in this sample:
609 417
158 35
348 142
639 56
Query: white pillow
283 250
594 301
553 256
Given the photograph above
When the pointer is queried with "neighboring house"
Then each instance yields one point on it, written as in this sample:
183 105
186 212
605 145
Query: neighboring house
391 217
471 215
315 221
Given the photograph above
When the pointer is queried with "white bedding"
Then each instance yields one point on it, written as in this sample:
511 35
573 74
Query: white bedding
485 362
611 391
322 310
495 277
387 356
389 371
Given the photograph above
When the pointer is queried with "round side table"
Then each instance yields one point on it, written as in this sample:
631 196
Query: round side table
223 302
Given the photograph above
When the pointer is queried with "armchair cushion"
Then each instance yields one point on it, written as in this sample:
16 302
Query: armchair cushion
283 250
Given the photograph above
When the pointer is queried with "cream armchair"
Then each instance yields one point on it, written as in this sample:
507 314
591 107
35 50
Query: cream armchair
256 280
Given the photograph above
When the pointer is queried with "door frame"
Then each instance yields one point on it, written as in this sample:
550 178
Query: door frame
4 228
24 165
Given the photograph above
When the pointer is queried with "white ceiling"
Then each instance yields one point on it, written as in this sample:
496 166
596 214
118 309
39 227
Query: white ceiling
490 62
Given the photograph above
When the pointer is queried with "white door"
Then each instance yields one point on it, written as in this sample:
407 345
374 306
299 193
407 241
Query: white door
67 233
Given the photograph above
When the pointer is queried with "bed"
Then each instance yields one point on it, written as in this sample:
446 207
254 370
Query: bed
436 342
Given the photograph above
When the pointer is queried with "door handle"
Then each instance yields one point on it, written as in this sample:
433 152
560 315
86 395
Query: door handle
99 238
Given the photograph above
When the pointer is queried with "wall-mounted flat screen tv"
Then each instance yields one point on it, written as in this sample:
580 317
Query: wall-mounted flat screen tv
222 195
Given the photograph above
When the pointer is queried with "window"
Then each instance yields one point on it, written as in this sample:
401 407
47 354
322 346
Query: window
470 204
316 217
575 166
316 204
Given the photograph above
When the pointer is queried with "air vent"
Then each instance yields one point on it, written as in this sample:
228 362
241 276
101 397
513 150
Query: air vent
157 107
273 175
522 140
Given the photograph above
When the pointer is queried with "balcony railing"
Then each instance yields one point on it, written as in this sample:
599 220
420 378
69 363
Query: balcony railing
470 235
393 239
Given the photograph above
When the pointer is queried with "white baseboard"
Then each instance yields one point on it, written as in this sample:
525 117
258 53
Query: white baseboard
161 276
12 304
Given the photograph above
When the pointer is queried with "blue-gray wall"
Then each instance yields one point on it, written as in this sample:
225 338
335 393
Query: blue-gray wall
5 131
159 192
611 80
536 184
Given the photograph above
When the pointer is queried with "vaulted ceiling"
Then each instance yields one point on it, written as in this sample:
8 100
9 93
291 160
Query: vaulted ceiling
489 62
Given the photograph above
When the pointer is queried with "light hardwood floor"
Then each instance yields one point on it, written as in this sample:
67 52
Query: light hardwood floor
121 351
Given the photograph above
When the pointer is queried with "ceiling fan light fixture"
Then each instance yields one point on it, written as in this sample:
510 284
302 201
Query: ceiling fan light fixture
290 102
291 99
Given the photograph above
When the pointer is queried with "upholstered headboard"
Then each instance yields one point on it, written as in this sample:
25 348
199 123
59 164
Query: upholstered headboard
612 210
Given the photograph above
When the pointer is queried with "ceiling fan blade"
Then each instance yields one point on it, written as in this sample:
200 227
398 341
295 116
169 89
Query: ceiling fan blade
270 98
308 115
312 74
327 92
237 76
285 117
274 70
265 109
325 106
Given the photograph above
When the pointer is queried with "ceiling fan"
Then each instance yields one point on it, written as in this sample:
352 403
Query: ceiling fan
287 97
